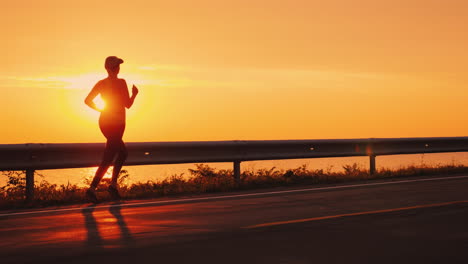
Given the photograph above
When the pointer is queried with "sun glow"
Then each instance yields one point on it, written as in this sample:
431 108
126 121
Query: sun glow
88 80
77 87
81 81
100 103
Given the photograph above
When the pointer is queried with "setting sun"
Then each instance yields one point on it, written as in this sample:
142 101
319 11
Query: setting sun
100 103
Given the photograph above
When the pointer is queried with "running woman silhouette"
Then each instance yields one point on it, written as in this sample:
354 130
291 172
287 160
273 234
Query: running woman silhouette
114 93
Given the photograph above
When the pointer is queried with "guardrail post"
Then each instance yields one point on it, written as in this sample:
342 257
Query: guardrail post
372 164
29 185
237 171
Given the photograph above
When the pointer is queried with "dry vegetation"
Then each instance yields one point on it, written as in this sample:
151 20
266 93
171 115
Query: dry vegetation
202 179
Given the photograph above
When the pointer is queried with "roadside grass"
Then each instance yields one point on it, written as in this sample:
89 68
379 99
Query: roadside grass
202 179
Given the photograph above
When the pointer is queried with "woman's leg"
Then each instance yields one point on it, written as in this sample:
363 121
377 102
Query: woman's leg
113 133
107 158
121 157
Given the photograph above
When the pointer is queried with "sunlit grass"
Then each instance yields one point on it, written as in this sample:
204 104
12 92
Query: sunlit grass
203 179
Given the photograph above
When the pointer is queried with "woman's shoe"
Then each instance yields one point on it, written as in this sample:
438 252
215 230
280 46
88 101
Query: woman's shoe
91 195
114 193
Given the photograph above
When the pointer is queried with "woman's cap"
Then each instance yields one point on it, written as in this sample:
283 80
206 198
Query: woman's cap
112 62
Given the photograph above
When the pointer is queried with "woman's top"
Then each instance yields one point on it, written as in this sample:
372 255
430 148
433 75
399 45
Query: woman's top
114 93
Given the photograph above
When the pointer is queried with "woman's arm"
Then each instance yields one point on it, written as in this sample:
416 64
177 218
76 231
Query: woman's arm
131 99
89 99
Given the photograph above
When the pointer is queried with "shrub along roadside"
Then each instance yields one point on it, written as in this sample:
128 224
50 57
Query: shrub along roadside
202 179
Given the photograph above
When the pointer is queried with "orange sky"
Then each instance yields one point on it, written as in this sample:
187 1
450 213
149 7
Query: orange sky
224 70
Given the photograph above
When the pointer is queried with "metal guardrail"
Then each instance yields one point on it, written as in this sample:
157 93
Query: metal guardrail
31 157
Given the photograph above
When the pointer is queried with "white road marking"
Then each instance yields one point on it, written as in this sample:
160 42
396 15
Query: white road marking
230 196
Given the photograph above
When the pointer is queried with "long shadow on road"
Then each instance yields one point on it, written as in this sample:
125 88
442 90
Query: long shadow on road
94 219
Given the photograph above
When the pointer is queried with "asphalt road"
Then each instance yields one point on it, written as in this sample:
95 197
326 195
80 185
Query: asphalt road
418 220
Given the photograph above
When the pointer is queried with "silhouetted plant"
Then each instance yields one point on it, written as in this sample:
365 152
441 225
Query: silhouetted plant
15 179
203 171
204 179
